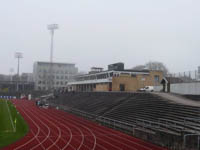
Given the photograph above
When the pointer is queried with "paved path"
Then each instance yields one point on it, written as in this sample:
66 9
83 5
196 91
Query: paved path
178 99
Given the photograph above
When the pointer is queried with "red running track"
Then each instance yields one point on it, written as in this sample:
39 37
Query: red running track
51 129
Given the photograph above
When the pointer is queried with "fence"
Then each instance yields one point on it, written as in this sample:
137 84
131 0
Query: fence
187 76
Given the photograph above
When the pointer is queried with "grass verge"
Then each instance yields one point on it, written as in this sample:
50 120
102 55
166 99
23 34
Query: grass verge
8 115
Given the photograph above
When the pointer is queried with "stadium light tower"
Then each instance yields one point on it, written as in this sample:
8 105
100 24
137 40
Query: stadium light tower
50 81
52 27
18 55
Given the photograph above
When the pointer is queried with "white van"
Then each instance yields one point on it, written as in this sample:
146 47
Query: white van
147 89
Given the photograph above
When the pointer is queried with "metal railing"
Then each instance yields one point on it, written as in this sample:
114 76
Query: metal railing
156 128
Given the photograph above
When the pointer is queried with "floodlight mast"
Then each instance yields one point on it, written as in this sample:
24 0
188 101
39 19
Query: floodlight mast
18 55
51 27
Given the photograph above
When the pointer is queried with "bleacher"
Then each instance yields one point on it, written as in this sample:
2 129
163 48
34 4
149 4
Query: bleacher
143 110
162 114
93 103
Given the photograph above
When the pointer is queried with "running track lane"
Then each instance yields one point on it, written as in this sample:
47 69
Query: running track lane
51 129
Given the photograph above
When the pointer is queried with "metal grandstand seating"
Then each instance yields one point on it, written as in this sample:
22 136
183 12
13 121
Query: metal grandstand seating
144 112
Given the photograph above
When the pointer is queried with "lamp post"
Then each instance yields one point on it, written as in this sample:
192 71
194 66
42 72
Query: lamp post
18 55
52 28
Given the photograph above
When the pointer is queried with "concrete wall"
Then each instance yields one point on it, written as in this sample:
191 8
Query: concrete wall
186 88
183 88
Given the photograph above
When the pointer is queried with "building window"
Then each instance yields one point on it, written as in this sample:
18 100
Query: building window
156 78
133 75
111 74
122 87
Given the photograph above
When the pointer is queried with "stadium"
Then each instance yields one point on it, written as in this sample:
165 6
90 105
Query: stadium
100 75
97 113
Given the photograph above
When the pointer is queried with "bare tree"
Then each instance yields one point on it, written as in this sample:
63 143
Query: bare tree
155 65
139 67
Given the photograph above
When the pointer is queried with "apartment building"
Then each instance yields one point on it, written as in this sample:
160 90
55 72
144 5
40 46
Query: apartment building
49 76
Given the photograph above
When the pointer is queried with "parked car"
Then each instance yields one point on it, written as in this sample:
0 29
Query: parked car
147 89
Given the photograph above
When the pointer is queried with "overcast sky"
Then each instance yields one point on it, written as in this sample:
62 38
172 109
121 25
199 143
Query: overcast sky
101 32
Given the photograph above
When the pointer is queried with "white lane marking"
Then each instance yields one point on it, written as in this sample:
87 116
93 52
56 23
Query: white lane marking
105 131
34 137
51 121
38 140
64 118
82 135
59 131
68 143
10 116
83 121
47 137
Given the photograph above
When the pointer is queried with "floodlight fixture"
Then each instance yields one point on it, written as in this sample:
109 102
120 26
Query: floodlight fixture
52 26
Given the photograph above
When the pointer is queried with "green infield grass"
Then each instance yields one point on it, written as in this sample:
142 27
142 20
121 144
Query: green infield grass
12 124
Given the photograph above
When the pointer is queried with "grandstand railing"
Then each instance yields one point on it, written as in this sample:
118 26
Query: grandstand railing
139 124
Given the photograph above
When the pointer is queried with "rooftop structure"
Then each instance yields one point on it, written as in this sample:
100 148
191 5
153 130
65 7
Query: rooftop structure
115 80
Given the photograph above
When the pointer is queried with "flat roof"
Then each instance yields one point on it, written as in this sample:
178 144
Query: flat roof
59 63
109 71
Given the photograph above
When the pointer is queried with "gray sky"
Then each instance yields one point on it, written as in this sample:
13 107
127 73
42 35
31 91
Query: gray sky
100 32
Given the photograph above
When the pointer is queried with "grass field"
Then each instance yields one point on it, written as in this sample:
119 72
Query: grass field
9 131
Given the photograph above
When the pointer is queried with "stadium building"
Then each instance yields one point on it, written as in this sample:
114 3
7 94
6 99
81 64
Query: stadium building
116 78
48 75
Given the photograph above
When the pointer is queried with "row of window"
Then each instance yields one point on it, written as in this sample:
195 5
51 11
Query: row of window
54 83
52 77
57 72
93 77
102 76
46 88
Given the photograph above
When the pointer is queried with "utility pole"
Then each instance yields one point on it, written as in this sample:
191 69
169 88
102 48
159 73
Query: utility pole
18 55
51 27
